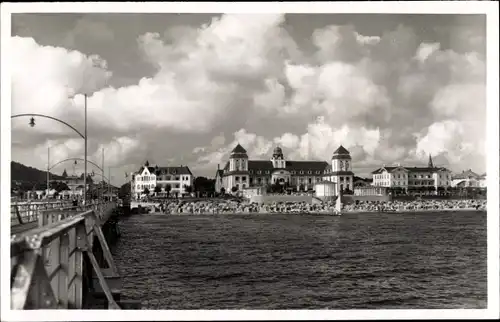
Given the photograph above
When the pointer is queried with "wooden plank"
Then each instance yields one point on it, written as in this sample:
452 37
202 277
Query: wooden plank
22 281
18 215
41 297
82 245
111 302
18 229
105 248
115 284
72 274
64 272
52 264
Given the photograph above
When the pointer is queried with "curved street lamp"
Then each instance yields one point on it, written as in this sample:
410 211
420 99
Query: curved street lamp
68 159
83 136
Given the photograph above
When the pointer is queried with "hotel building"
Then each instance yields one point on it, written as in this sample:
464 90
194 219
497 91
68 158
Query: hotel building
408 178
179 178
242 173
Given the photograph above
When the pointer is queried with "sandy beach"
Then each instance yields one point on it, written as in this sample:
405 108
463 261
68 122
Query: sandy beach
344 212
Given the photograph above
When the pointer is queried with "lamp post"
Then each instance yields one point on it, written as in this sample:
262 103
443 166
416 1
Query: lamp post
83 136
48 172
86 138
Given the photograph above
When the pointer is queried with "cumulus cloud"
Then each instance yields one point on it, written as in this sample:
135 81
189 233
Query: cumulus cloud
245 79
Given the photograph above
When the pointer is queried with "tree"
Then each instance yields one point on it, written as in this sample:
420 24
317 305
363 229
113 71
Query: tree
168 188
234 189
146 191
124 192
188 189
302 187
203 184
222 190
157 189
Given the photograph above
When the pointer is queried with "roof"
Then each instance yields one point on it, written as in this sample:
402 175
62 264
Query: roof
466 174
173 170
239 149
341 150
289 165
410 169
182 170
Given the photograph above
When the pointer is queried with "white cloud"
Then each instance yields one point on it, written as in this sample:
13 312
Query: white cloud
425 50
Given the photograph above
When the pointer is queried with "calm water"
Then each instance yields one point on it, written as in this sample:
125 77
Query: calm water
368 261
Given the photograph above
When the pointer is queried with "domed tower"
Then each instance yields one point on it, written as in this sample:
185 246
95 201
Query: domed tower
341 169
278 159
238 160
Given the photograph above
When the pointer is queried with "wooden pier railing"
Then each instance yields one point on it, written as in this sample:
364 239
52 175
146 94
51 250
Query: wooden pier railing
48 262
26 212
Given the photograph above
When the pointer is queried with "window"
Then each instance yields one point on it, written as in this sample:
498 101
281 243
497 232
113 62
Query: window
243 178
318 179
318 172
310 180
292 172
251 171
244 185
259 172
237 178
267 172
301 172
177 178
177 186
309 172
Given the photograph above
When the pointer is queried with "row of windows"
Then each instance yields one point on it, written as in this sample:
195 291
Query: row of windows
144 186
410 183
145 178
292 172
152 186
414 176
172 178
162 178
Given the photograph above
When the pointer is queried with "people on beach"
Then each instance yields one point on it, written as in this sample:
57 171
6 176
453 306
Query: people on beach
231 206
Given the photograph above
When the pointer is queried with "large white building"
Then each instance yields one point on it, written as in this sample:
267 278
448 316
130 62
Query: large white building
242 173
178 178
408 178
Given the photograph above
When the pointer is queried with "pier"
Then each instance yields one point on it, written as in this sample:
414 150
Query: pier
60 257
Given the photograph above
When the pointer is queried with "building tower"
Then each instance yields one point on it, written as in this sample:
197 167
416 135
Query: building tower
278 159
238 159
342 173
238 169
430 164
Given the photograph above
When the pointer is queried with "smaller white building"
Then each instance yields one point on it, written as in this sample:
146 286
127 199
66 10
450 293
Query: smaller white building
161 181
325 189
468 179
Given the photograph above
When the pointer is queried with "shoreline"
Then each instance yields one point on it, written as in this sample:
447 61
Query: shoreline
345 212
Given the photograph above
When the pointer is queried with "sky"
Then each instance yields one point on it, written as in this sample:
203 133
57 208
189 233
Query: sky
184 89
